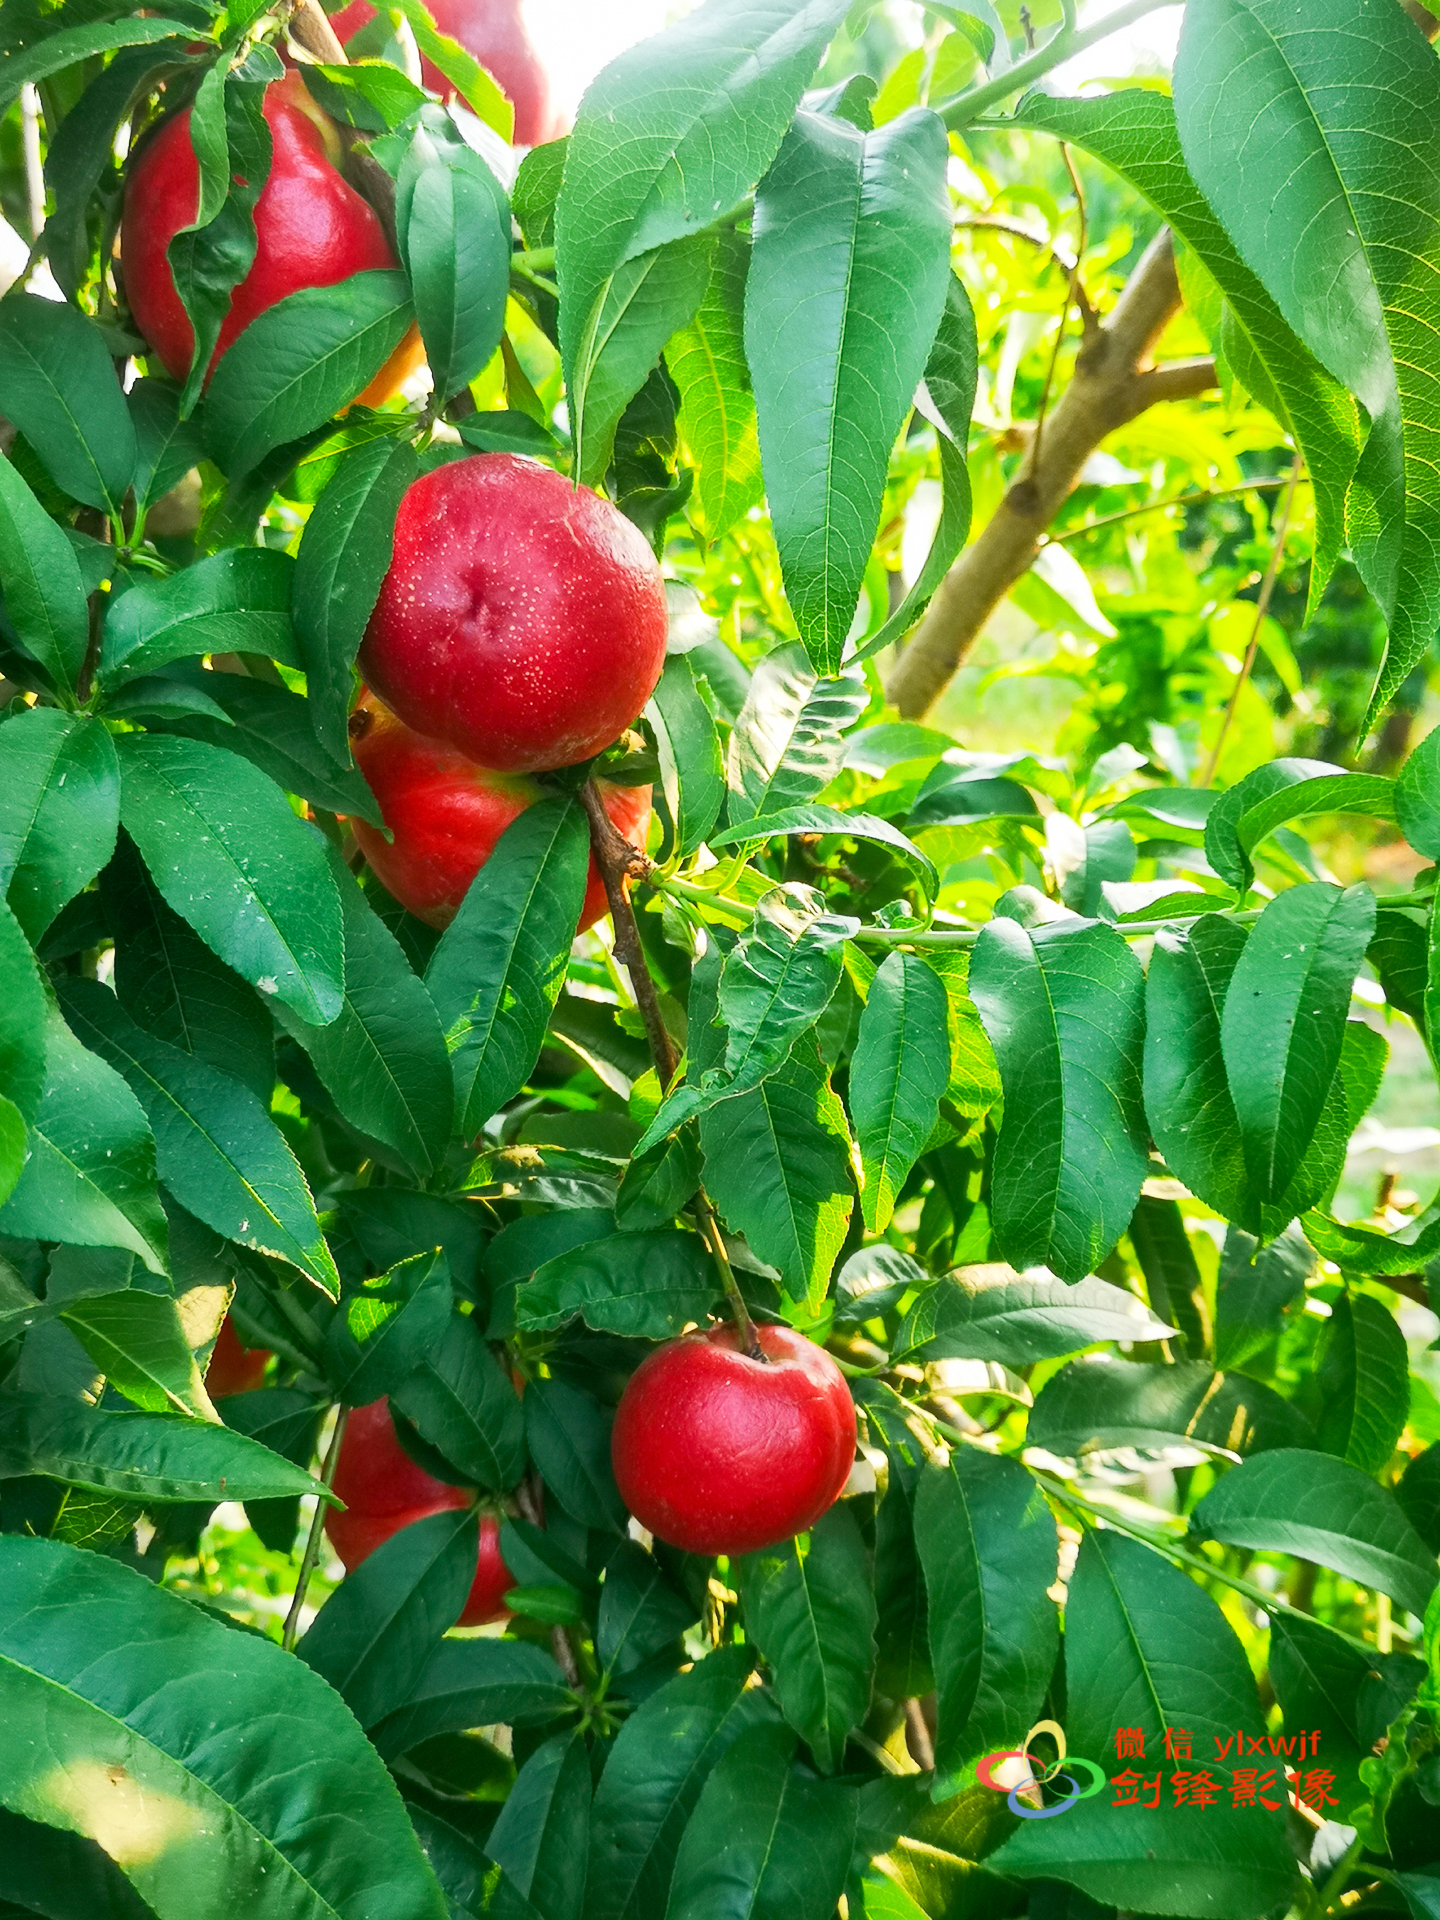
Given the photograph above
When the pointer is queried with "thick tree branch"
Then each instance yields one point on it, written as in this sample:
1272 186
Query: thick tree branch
1114 381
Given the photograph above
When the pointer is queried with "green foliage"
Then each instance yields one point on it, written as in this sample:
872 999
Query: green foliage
1036 1057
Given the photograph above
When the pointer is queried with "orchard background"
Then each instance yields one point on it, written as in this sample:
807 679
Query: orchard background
1028 994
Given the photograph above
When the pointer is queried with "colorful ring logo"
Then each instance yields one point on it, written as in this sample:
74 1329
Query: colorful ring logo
1063 1768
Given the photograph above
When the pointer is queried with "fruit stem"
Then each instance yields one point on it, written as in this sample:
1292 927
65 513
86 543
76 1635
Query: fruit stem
715 1240
312 1540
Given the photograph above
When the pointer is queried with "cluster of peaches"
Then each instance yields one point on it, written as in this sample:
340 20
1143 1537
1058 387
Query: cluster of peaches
520 629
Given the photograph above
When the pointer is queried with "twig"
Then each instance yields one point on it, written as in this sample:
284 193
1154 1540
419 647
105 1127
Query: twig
917 1737
1262 607
312 1541
34 167
620 862
310 28
527 1498
1063 45
1159 506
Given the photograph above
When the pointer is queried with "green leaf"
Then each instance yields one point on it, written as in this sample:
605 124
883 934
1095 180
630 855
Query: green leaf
167 447
641 1613
778 978
777 1164
73 44
786 744
497 971
1417 797
299 362
1099 1405
814 818
1275 794
673 134
1283 1023
211 1811
654 1773
453 220
23 1014
89 1180
693 780
974 1084
383 1332
1133 130
14 1146
764 1840
541 1838
382 1059
476 1683
900 1068
810 1610
1263 95
1328 1686
1144 1646
233 602
61 392
461 1402
1364 1382
1254 1289
344 556
170 983
949 387
567 1435
369 95
137 1340
846 288
271 727
475 86
902 1636
59 810
230 857
216 1147
40 579
1172 1276
1187 1096
471 1881
989 1549
644 302
646 1286
706 359
1418 1491
1322 1509
988 1313
62 1875
155 1458
1063 1006
1361 1249
776 982
372 1638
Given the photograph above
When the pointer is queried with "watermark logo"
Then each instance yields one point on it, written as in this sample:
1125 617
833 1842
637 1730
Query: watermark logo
1032 1773
1021 1775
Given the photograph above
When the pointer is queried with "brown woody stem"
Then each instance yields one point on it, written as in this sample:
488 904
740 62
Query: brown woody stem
312 1539
1113 381
620 862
